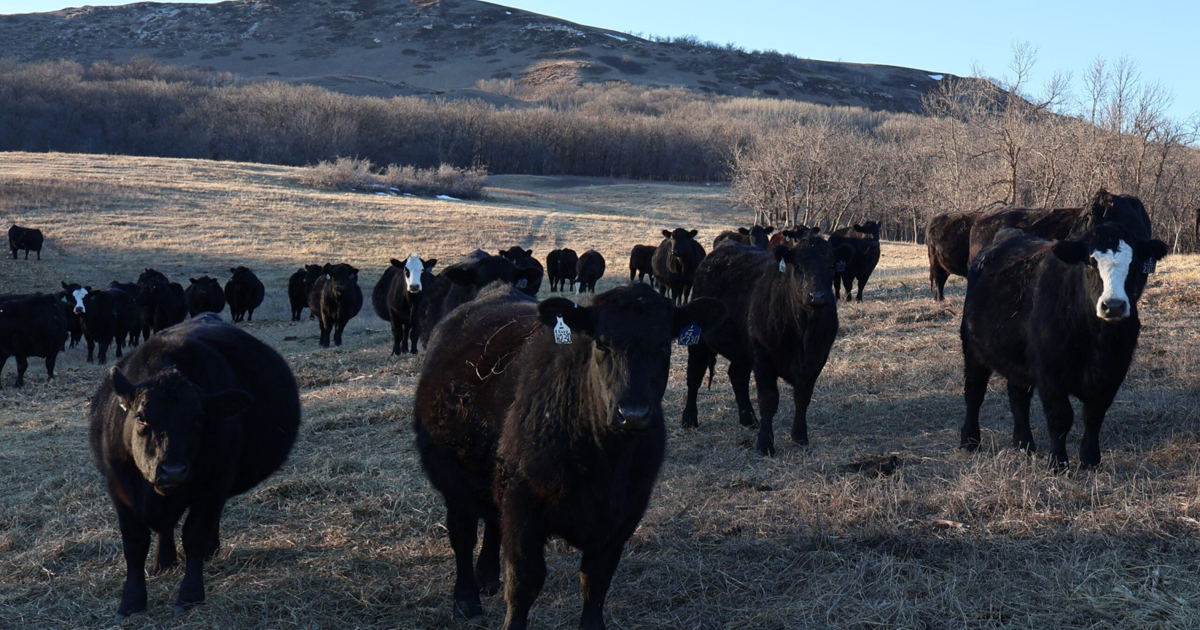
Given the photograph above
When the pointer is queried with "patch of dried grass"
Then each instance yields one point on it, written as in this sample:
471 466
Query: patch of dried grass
359 174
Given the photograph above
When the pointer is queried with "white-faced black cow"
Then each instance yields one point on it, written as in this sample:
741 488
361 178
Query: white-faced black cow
196 415
590 270
782 324
106 317
336 298
553 425
74 327
28 239
397 299
530 281
245 292
204 295
31 326
675 262
641 263
863 238
1057 317
755 236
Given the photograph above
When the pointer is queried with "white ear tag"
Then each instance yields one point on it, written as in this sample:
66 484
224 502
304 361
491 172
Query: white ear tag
1149 266
562 333
783 266
122 406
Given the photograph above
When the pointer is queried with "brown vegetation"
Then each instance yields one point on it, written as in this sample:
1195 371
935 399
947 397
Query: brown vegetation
360 175
836 535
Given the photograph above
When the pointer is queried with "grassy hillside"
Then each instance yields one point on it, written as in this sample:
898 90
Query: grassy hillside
349 534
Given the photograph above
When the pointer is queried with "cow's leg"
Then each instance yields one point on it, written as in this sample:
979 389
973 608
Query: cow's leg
975 382
1059 418
487 568
50 362
525 556
595 576
91 346
135 543
325 328
837 286
1019 397
14 252
802 391
848 283
338 328
165 557
1089 446
414 333
699 358
22 365
250 315
862 283
739 379
198 531
102 350
940 276
399 336
462 527
3 360
766 380
119 341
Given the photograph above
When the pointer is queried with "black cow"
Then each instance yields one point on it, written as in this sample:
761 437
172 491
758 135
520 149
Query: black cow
28 239
568 269
552 269
461 282
1053 223
31 326
675 262
782 323
1057 317
530 281
204 295
641 263
756 236
590 270
948 241
336 298
299 285
864 239
198 414
397 299
66 301
133 290
245 293
106 317
162 303
557 438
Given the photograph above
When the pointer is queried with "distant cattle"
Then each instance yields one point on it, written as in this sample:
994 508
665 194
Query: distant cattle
28 239
641 263
948 241
198 414
461 282
1053 223
106 317
204 295
530 281
31 326
1060 318
552 268
336 298
863 238
568 269
675 262
299 285
590 269
245 292
162 303
756 236
397 299
553 425
782 324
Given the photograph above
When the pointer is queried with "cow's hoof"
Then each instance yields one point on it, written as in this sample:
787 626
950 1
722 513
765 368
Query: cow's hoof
765 447
801 439
162 567
747 419
468 611
490 587
969 445
691 419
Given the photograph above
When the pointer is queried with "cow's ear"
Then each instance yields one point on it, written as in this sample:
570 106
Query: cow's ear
577 318
744 231
859 228
396 263
1071 252
460 275
430 264
693 232
706 312
192 280
121 386
88 289
1155 249
815 230
233 270
228 403
667 233
781 252
64 284
503 254
529 252
768 230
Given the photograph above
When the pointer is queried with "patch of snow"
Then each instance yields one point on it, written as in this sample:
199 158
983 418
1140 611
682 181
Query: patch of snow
551 28
447 198
382 193
465 25
617 37
937 77
376 40
409 195
428 27
508 13
398 24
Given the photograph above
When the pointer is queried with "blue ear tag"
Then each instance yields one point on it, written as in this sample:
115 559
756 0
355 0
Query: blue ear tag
783 266
690 335
841 265
1149 266
522 283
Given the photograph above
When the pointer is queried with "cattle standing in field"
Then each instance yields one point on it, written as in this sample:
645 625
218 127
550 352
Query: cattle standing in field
1054 223
568 269
1060 318
790 237
245 292
552 268
397 299
460 283
299 285
28 239
590 269
557 432
641 263
31 326
948 241
531 280
755 236
336 298
675 262
66 301
204 295
864 239
133 290
196 415
162 303
106 317
782 324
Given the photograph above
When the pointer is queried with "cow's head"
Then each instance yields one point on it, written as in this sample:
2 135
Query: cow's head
238 270
150 276
627 334
74 297
164 421
483 271
759 235
680 241
809 264
415 270
1116 267
342 275
868 228
516 254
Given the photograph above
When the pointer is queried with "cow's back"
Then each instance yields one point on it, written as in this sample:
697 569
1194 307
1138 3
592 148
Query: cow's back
31 325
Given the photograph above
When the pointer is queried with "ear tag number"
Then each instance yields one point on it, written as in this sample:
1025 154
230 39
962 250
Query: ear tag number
841 265
1150 265
690 335
783 266
562 333
522 283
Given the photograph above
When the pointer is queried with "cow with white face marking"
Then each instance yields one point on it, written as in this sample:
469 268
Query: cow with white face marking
106 317
397 298
1059 317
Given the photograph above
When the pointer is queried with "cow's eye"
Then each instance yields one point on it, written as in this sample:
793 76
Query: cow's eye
142 425
602 347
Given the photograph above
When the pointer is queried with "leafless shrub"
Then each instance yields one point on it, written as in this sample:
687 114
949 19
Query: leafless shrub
359 174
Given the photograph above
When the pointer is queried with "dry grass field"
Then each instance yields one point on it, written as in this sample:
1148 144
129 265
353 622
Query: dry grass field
349 534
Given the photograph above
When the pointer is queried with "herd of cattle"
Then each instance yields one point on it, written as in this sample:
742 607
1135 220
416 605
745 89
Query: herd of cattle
545 419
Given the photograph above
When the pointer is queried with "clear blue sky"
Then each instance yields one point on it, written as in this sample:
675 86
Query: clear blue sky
940 36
